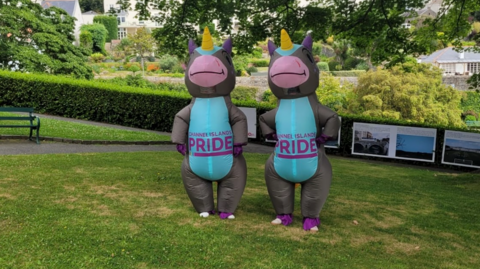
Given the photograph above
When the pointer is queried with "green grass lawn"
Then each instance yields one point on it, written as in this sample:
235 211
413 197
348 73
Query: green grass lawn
130 210
73 130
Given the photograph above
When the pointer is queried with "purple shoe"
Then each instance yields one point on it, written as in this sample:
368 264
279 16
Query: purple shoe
226 215
284 219
311 224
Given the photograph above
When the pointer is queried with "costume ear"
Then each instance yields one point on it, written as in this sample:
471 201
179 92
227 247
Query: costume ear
271 47
308 43
227 45
191 46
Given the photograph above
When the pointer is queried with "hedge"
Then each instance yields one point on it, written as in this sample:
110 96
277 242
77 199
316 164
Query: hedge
350 73
92 100
153 109
110 24
260 62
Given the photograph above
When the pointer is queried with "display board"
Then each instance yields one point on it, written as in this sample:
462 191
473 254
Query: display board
390 141
251 114
462 149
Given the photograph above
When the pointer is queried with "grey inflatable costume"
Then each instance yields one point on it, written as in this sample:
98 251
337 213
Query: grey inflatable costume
214 130
296 123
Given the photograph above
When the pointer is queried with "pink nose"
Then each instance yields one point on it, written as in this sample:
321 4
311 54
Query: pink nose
288 72
207 71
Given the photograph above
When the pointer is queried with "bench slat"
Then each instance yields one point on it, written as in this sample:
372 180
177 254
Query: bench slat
16 118
16 109
12 126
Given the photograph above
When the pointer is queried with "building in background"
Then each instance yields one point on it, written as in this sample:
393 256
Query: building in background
454 63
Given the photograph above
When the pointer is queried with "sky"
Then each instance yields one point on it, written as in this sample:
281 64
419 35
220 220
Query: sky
413 143
463 144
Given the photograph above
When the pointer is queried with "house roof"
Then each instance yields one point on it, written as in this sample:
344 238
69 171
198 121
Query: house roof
448 55
91 12
67 5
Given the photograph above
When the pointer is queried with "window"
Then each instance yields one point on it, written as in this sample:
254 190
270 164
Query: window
448 69
473 68
141 22
120 20
122 33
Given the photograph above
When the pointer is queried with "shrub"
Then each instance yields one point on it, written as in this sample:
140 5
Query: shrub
332 65
350 73
251 69
323 66
351 63
134 68
362 66
152 67
167 62
97 57
260 62
96 69
99 35
257 52
110 24
244 93
86 40
470 118
240 63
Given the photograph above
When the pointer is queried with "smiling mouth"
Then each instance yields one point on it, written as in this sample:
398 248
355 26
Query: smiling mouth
208 72
290 73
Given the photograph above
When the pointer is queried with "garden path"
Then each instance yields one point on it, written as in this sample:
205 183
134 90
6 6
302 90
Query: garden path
16 147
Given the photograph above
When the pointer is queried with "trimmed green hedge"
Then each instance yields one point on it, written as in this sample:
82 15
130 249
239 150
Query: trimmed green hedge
92 100
260 62
350 73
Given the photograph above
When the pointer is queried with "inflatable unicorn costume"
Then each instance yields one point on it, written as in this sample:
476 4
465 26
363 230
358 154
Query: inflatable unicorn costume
296 123
210 132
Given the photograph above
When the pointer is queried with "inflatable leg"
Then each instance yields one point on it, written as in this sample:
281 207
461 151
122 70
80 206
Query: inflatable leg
282 194
199 191
314 194
230 189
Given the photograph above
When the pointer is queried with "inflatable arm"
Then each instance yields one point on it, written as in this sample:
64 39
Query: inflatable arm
330 120
238 121
267 122
180 126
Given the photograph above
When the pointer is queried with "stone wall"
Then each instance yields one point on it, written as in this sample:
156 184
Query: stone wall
458 82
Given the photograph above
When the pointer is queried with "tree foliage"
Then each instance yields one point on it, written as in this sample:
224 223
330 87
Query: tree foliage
372 25
91 5
110 23
34 39
99 36
142 43
409 91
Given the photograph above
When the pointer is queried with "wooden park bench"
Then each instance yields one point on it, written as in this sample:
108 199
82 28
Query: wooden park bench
29 120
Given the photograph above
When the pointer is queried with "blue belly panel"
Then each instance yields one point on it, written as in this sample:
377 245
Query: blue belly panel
210 139
296 154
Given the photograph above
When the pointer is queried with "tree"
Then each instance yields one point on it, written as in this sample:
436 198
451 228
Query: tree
34 39
373 25
410 91
91 5
99 36
110 23
142 43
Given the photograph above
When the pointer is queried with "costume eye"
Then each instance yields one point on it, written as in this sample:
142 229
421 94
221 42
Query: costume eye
308 54
227 57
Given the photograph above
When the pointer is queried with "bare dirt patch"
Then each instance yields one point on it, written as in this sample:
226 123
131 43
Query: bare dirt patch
8 196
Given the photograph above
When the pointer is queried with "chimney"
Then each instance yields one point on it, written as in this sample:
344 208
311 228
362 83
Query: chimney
461 55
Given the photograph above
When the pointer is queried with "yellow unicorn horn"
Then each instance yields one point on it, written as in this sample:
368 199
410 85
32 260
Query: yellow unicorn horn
286 43
207 42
